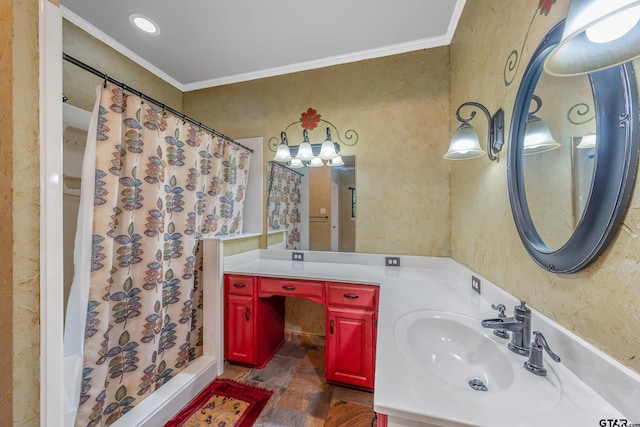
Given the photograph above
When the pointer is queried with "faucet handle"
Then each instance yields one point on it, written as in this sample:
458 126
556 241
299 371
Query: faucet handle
541 341
501 309
500 332
535 364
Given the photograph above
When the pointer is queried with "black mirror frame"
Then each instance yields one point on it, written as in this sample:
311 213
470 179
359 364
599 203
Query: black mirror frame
615 170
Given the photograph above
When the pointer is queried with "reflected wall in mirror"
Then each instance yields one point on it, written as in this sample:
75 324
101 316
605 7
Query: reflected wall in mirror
557 168
312 208
568 202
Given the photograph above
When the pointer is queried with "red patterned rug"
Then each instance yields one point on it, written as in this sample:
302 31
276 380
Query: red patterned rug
224 403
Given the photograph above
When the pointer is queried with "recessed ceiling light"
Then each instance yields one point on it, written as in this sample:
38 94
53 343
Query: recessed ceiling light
145 24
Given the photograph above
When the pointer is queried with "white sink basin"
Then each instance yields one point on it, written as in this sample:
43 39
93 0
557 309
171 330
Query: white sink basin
451 349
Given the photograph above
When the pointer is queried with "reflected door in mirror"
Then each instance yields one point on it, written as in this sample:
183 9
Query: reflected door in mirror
331 213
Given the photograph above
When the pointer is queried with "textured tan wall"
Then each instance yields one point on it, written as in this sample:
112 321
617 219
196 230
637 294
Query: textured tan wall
80 86
19 151
238 246
600 303
6 207
400 101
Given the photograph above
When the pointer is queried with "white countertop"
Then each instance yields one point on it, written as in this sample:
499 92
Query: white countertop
403 390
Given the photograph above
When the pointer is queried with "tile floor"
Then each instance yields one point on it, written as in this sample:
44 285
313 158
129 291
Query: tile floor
301 396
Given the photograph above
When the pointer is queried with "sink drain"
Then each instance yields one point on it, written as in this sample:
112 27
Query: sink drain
477 385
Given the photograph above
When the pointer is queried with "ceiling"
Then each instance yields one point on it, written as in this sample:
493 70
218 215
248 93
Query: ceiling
204 43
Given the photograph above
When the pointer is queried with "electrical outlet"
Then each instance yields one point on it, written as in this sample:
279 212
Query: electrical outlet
475 284
392 261
297 256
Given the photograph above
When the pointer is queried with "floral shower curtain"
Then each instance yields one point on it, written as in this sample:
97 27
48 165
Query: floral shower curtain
160 184
283 203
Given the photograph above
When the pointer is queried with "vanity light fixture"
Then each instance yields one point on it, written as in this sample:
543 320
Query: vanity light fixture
598 34
145 24
465 143
537 136
308 154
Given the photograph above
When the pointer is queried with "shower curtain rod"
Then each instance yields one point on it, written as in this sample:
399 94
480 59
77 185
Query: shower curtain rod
287 168
127 88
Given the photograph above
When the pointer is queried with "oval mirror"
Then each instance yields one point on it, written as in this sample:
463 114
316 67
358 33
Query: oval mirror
572 160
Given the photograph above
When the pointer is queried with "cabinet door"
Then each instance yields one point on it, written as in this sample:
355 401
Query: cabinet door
350 352
240 329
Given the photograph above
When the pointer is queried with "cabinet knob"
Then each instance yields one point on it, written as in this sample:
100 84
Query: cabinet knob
288 288
239 285
351 296
331 326
246 313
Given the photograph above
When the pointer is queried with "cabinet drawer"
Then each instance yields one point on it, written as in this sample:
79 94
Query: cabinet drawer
352 295
240 285
294 288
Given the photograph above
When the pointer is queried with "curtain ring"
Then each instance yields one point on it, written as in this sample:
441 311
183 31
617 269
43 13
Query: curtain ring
105 80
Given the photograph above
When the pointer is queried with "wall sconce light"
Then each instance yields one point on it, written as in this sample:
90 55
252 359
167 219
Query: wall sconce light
587 141
308 154
598 34
465 143
537 136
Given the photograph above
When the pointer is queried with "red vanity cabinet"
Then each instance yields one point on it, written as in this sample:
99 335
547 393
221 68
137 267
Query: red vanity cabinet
253 327
352 312
254 323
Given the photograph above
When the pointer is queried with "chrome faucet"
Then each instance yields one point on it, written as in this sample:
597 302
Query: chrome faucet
519 325
535 364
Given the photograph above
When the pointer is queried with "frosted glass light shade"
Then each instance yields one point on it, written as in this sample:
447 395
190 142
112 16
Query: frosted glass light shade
598 34
465 144
282 154
316 162
336 161
296 164
538 138
327 150
304 152
587 141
